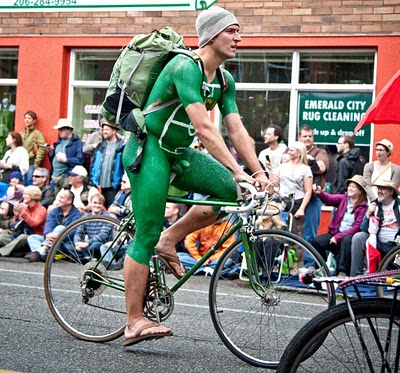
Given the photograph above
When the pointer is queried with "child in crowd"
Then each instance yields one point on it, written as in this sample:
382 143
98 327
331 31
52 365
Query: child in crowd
15 191
91 235
6 220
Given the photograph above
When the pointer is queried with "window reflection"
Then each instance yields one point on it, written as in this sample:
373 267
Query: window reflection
337 68
261 67
8 64
259 109
95 65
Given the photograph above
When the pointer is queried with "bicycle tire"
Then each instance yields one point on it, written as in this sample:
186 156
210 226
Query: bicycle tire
99 317
388 262
340 349
248 324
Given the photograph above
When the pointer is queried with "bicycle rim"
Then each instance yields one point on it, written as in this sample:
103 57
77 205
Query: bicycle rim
340 348
257 327
84 308
390 261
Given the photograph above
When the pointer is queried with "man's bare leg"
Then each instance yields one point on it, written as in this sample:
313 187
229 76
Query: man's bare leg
136 276
196 218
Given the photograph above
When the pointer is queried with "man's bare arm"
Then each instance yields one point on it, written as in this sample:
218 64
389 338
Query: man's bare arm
244 146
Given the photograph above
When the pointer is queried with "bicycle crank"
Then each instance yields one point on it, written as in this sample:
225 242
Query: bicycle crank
158 302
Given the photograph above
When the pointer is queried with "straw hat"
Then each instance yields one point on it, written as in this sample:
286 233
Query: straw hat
387 184
387 144
359 180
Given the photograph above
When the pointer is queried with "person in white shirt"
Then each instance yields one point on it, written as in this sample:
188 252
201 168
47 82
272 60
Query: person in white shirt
273 136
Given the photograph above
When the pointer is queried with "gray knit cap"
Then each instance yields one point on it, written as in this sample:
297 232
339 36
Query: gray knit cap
211 22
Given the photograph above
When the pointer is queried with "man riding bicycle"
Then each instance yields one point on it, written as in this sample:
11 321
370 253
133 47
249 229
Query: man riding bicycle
170 131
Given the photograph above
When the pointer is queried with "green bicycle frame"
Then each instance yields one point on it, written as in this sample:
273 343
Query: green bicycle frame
239 225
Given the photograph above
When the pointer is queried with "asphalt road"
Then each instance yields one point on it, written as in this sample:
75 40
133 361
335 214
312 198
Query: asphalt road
32 341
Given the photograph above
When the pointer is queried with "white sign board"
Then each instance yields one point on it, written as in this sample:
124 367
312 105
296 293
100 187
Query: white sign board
103 5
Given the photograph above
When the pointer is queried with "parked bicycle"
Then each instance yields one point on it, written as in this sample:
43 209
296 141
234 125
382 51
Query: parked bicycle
256 300
359 335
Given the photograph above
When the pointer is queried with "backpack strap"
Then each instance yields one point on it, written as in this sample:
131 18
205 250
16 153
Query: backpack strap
222 80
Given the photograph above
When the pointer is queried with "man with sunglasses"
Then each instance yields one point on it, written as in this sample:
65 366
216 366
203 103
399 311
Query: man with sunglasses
40 177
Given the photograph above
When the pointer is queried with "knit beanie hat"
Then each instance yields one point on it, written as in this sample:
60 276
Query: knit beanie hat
211 22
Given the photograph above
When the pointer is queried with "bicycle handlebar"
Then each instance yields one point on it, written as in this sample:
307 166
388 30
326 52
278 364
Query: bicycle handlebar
256 197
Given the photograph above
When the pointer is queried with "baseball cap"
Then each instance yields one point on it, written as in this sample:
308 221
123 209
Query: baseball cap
78 171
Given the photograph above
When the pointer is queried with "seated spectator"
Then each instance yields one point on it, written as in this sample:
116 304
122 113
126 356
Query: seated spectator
268 252
349 214
122 204
30 217
81 190
6 221
15 159
172 214
61 216
90 236
40 178
381 169
15 191
200 241
382 221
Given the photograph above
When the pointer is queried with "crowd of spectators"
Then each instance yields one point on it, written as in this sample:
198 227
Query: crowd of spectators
88 179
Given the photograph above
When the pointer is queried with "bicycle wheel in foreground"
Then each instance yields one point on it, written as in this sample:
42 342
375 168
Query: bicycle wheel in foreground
340 348
257 327
389 262
81 304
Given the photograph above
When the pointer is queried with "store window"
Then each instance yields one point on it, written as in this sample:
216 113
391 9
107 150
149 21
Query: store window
8 90
329 90
90 75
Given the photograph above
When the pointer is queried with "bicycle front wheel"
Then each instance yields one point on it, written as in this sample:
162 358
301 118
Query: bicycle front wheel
341 348
257 325
84 295
389 262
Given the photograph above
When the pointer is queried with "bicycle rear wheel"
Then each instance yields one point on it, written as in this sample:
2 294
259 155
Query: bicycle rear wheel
390 261
258 327
78 290
340 347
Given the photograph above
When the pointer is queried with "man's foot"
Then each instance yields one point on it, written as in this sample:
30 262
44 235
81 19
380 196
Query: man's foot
34 257
172 262
146 330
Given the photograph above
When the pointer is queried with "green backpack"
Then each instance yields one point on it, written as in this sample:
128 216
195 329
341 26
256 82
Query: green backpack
133 77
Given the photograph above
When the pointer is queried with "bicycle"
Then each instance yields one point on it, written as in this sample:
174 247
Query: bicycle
390 261
86 298
359 335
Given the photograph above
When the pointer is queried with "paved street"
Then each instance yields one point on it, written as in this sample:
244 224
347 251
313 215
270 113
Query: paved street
32 341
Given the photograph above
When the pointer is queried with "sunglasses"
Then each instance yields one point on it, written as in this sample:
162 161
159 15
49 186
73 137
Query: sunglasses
37 176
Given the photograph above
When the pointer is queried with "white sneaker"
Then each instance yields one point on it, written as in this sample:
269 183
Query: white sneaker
307 270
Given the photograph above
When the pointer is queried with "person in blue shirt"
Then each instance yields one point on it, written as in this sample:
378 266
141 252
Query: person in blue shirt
61 216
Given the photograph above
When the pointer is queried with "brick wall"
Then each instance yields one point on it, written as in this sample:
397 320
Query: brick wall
256 18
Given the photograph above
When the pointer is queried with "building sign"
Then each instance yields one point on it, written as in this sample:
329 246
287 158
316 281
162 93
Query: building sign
335 114
103 5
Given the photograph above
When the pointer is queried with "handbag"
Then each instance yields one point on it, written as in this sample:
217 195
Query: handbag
18 228
35 146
